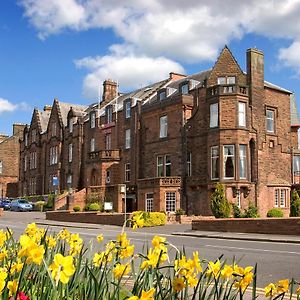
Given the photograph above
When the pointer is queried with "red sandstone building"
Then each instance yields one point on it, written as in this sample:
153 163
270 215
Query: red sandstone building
171 142
9 162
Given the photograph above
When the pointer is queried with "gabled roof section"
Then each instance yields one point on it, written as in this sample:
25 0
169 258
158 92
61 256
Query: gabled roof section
295 120
44 119
225 64
276 87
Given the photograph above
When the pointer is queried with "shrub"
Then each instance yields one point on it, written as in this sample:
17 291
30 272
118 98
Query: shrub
275 213
251 211
237 213
94 207
219 204
39 205
50 201
76 208
152 218
179 212
295 204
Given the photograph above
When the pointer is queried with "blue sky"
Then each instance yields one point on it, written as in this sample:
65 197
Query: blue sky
65 48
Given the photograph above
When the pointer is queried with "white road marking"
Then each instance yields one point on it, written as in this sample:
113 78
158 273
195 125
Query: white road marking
253 249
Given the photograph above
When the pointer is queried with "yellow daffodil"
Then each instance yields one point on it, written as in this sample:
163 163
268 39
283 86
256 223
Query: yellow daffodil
282 286
12 287
3 254
35 254
196 262
3 237
3 276
298 291
76 243
31 229
121 270
16 267
145 295
154 258
100 238
137 221
158 242
64 234
51 242
192 281
270 290
127 252
214 268
62 268
178 284
227 272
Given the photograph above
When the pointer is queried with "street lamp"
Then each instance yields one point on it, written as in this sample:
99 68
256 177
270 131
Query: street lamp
123 191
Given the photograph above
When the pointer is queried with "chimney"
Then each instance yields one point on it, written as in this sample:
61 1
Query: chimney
109 91
47 108
255 73
18 129
176 76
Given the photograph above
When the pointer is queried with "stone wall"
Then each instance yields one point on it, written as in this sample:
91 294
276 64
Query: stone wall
285 226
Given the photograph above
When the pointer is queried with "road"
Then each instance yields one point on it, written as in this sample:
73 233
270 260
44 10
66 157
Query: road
275 260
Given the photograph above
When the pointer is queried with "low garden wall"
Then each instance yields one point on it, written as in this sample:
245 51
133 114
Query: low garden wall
87 217
285 226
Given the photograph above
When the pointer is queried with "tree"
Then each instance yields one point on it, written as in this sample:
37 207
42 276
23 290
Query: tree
219 204
295 204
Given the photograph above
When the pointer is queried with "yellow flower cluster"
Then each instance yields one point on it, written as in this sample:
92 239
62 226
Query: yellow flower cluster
280 287
144 296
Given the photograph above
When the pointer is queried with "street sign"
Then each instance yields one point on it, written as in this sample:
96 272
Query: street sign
108 205
55 181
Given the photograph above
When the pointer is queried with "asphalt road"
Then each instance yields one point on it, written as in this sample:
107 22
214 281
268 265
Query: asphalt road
275 260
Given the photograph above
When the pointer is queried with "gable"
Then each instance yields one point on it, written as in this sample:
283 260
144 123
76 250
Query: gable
226 65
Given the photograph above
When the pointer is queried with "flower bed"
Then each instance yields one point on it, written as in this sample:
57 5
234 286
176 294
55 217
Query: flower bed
44 266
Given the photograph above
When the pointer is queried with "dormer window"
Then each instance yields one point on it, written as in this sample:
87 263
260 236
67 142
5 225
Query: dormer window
226 80
108 114
93 119
185 88
162 95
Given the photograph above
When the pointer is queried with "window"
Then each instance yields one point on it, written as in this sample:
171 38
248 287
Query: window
1 166
53 129
92 145
270 120
108 141
53 155
127 172
93 120
242 114
149 202
69 180
215 162
228 161
214 115
127 109
243 162
26 139
108 114
160 166
163 126
185 88
226 80
70 152
280 197
296 164
127 139
189 164
162 95
107 177
32 160
238 198
163 166
33 135
71 125
170 201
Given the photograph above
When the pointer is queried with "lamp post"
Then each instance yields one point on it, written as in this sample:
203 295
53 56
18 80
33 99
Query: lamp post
123 191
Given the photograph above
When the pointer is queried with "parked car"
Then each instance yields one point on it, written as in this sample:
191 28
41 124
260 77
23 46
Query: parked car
21 205
5 204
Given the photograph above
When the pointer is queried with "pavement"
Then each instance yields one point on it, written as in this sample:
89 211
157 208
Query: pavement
185 230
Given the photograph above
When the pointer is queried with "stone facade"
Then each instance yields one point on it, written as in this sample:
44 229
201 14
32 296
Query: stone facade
9 162
169 143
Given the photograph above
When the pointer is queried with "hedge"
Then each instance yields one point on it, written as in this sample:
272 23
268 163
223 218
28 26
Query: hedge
152 218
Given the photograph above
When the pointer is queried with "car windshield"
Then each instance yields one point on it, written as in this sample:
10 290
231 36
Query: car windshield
23 201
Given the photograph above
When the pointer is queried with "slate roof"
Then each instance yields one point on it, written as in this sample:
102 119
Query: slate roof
276 87
65 107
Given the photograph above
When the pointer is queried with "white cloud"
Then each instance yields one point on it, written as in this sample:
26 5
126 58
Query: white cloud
7 106
185 31
130 70
290 56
